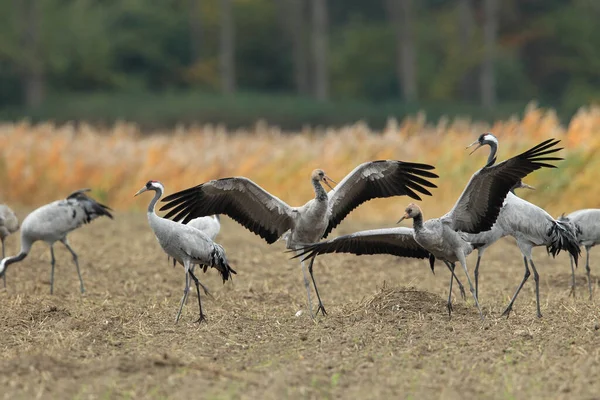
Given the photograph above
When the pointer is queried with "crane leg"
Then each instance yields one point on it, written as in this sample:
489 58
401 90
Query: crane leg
512 301
451 267
477 275
52 263
536 278
461 257
587 270
76 261
572 293
185 292
3 256
198 284
310 270
307 286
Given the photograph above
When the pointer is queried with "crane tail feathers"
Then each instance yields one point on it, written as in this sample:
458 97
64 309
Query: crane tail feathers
563 236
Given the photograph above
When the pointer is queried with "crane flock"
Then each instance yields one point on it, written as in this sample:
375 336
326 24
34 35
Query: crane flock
487 210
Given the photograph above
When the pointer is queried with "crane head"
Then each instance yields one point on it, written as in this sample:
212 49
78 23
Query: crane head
151 185
483 139
411 211
320 176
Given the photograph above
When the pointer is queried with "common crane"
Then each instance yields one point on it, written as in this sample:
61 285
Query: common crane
587 225
271 218
8 224
53 222
529 224
187 245
475 211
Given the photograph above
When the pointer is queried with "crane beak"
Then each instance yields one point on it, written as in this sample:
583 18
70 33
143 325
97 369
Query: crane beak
473 144
142 190
526 186
327 179
403 218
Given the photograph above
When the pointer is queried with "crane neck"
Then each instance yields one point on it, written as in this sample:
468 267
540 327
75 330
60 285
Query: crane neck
320 193
152 204
25 247
492 157
418 222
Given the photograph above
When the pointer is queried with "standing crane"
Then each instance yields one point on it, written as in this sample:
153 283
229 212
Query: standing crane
8 224
476 210
271 218
586 222
529 224
53 222
187 245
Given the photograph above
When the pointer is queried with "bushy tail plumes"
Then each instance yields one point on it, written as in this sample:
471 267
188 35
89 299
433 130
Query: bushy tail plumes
563 236
218 260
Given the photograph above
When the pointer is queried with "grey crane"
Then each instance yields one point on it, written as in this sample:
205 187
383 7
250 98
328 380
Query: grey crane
8 224
398 241
187 245
271 218
586 223
529 224
53 222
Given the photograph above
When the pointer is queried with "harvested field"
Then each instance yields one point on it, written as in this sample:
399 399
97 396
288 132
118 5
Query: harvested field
387 334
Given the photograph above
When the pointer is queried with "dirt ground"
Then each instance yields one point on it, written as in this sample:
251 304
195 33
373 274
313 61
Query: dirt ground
387 334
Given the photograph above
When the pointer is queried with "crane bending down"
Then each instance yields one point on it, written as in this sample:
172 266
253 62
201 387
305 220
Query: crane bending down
8 224
53 222
475 211
529 224
586 223
399 241
187 245
271 218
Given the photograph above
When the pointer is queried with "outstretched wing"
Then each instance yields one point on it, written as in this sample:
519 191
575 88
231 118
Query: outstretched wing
479 205
239 198
377 179
395 241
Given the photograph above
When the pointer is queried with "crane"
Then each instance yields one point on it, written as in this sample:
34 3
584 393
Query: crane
187 245
8 224
271 218
529 224
53 222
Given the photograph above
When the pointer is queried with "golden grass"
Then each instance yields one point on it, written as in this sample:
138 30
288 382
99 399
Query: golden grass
44 162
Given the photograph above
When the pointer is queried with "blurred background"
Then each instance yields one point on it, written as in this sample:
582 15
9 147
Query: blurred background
294 62
301 84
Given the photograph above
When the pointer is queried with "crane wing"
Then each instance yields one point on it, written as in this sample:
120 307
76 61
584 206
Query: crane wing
377 179
239 198
396 241
480 202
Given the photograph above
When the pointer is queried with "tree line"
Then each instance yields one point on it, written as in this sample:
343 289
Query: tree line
473 51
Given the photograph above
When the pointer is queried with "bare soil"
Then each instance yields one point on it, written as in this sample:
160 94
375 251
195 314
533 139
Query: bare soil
387 334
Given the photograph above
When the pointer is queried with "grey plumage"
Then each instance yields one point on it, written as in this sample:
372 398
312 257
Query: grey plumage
586 224
187 245
271 218
8 224
209 225
53 222
529 224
